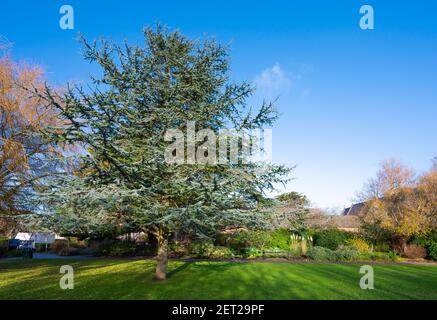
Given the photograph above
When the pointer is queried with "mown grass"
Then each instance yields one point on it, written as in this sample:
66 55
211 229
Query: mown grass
124 279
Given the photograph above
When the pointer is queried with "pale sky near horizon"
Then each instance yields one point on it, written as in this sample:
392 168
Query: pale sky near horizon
349 98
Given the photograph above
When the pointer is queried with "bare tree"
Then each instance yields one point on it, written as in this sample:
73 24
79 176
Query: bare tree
392 175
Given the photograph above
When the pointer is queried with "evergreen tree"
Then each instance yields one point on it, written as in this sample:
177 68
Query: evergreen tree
121 120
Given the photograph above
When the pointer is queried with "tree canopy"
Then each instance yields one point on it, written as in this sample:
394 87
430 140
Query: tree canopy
25 157
120 121
400 206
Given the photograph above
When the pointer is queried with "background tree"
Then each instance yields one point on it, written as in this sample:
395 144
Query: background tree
291 211
400 209
392 174
25 158
121 121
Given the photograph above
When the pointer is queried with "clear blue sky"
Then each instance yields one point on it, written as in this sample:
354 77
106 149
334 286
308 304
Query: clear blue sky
349 98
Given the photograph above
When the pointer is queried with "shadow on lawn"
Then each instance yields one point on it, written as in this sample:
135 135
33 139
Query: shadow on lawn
180 268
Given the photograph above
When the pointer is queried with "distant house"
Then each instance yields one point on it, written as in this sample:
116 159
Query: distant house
354 210
318 219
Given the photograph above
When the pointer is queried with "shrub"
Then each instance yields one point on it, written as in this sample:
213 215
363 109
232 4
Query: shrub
59 246
393 255
206 249
260 239
279 238
341 254
346 254
359 244
252 253
116 248
429 242
178 248
13 253
379 256
432 251
331 238
321 254
3 251
221 253
68 251
382 247
424 240
4 242
87 251
413 251
200 249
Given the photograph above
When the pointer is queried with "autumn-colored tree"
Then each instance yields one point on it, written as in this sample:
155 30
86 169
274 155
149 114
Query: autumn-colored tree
25 159
399 207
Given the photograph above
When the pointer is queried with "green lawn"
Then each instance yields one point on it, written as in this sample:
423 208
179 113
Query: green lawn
123 279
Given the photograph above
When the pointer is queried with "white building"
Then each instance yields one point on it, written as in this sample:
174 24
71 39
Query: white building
37 237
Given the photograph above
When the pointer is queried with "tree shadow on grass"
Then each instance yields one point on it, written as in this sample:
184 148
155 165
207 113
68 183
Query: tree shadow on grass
179 269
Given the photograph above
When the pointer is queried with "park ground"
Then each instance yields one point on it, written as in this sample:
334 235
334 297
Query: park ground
133 279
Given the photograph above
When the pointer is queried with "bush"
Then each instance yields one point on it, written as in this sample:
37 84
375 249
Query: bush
432 251
321 254
429 242
260 239
206 249
346 254
325 254
359 244
393 255
425 240
279 238
59 246
178 248
221 253
13 253
413 251
251 253
116 248
382 247
331 238
3 251
4 242
87 251
68 251
378 256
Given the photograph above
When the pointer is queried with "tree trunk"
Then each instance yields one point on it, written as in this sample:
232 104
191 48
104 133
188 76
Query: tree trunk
161 265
